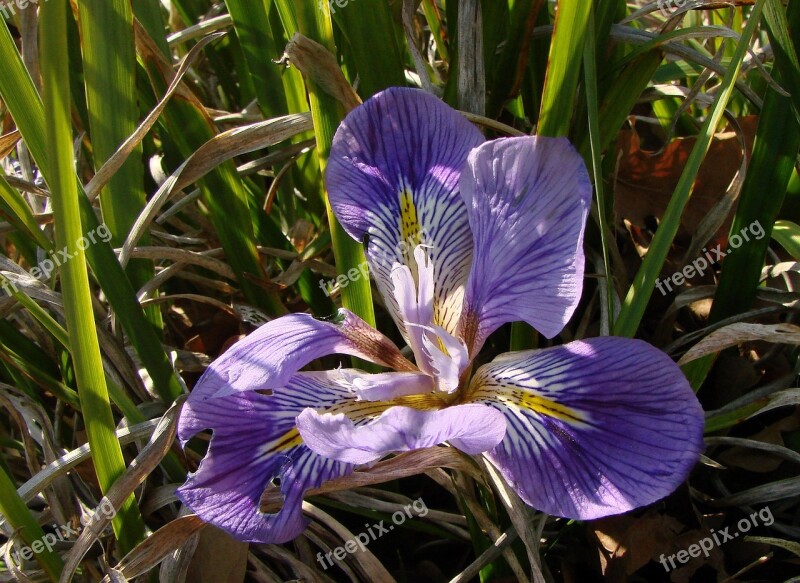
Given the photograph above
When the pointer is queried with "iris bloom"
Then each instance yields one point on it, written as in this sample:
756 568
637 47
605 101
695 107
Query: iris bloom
584 430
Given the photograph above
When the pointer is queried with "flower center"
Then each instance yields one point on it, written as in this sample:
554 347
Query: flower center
437 352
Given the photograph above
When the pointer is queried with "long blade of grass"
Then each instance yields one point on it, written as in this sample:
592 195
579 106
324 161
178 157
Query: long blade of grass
564 67
84 347
224 192
771 166
643 284
327 113
372 46
780 30
109 65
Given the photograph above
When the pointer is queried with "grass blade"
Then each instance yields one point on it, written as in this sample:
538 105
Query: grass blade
84 347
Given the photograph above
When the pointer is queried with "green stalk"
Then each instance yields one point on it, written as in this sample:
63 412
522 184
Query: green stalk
327 113
643 284
84 347
21 519
372 45
564 68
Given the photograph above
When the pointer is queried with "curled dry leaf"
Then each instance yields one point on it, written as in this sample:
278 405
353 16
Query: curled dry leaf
742 332
317 64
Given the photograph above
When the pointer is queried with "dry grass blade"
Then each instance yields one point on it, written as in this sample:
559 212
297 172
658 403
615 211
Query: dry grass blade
528 527
366 561
155 548
7 143
62 465
770 448
218 149
486 556
737 333
471 69
788 488
158 446
186 256
239 141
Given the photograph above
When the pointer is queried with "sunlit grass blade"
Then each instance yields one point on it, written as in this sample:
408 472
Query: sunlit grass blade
84 347
252 25
327 113
787 234
644 282
564 67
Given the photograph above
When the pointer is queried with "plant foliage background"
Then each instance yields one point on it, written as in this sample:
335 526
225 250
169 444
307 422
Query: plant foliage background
194 134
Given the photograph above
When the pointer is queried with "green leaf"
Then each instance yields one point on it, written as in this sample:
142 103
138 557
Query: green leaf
327 113
84 347
109 73
564 68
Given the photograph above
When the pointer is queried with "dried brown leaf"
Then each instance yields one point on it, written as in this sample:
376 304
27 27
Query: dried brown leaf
318 65
742 332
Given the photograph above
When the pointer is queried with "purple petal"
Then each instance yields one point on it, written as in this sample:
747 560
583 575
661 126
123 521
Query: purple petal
393 176
595 427
255 441
471 428
268 357
527 200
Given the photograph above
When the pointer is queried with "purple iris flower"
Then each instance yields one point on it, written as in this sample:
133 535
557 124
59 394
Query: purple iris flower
477 234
